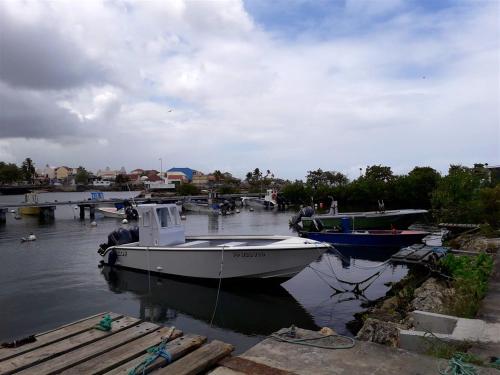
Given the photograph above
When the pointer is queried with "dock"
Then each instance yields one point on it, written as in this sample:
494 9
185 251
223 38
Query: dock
364 358
112 344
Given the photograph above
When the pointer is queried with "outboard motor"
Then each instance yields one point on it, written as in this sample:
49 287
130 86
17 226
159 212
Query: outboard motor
307 211
119 237
131 213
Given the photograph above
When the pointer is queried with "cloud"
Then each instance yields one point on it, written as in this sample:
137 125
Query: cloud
227 84
27 114
35 54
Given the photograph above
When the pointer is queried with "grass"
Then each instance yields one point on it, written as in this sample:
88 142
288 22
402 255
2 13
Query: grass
470 275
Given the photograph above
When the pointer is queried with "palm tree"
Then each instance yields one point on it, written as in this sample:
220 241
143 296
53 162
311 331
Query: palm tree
28 170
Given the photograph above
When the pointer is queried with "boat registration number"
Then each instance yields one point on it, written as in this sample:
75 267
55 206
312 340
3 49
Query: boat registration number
249 254
122 253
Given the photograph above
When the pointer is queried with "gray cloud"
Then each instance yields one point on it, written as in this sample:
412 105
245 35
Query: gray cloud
36 55
25 114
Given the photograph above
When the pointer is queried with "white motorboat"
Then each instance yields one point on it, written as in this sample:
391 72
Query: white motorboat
112 212
162 247
269 200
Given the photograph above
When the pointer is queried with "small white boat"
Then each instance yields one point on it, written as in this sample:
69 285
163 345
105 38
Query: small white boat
269 200
162 247
112 212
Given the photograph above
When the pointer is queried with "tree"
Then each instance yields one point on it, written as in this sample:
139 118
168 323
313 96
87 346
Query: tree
9 173
218 176
28 170
248 177
82 176
378 173
122 179
456 197
187 189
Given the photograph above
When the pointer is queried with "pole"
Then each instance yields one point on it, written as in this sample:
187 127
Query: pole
161 168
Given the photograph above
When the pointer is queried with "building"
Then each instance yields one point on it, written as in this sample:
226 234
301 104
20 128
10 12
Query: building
63 172
188 172
107 174
138 172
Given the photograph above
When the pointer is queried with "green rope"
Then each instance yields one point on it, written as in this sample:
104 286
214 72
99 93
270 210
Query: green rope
105 323
324 342
154 353
457 366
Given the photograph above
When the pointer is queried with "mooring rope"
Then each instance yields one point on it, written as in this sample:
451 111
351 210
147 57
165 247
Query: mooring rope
155 352
218 288
290 337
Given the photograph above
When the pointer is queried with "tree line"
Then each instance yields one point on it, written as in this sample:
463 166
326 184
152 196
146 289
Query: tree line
465 195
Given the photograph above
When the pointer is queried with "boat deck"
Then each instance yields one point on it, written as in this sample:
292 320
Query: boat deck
81 348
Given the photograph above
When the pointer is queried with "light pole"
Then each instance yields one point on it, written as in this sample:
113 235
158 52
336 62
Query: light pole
161 168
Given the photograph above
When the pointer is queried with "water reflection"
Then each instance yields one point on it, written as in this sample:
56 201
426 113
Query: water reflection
250 311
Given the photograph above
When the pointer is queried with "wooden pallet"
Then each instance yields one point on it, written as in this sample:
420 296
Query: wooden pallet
80 348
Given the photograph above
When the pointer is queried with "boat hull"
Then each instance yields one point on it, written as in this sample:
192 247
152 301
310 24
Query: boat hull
112 212
29 210
281 261
399 219
373 238
199 207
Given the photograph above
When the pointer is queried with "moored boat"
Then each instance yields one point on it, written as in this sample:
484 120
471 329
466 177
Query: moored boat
269 201
381 219
162 247
30 198
374 238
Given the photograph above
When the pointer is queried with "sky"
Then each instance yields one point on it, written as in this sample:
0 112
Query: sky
284 85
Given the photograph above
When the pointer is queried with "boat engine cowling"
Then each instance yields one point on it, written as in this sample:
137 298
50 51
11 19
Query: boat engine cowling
121 236
307 211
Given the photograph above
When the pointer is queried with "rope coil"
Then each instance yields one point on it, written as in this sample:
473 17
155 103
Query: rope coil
324 342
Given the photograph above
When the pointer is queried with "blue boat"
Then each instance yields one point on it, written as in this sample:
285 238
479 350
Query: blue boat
345 236
375 238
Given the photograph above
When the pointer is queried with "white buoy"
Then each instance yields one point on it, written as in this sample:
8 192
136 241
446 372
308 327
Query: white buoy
124 221
31 237
183 217
93 224
237 211
12 211
251 209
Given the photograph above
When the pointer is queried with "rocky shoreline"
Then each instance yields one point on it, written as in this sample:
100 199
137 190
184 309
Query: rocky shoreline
424 289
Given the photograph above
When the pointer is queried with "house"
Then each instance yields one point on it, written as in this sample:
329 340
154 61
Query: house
107 174
188 172
63 172
176 178
134 178
138 172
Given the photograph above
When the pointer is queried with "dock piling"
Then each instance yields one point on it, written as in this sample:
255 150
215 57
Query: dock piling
3 215
82 211
92 212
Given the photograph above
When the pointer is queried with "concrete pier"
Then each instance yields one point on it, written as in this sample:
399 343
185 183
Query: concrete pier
364 358
47 213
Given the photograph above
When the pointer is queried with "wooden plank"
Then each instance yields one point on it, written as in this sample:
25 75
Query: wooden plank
177 348
124 353
85 353
252 368
57 334
199 360
60 347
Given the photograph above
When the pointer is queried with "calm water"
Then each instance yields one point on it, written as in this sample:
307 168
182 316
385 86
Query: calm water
56 279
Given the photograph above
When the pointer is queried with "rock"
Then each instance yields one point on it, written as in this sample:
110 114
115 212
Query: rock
385 333
326 331
475 242
432 296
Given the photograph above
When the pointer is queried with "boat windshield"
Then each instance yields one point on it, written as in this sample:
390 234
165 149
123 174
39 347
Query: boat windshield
164 217
175 215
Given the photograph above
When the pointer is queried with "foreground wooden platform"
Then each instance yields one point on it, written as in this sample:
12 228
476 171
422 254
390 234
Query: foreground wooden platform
80 348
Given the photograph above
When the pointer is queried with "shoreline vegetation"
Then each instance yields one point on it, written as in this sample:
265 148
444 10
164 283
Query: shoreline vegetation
463 195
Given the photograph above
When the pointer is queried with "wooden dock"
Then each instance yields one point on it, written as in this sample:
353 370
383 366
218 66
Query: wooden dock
130 344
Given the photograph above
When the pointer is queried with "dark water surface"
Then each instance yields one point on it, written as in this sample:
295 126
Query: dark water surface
56 280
